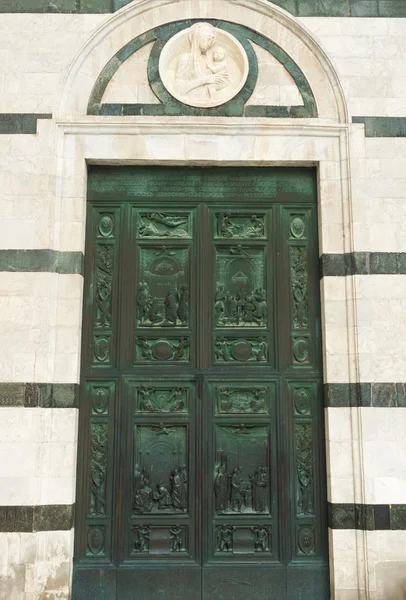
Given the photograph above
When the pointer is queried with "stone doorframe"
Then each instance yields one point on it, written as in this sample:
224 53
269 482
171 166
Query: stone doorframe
327 143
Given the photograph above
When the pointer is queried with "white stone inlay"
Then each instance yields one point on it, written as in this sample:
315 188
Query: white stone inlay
203 66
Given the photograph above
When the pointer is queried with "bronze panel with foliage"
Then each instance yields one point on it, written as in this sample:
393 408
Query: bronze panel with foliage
200 469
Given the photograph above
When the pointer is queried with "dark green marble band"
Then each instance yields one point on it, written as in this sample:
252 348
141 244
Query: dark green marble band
42 395
363 263
18 123
28 519
42 261
377 395
301 8
383 126
367 517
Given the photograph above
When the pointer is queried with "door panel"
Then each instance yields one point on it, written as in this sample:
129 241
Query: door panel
200 470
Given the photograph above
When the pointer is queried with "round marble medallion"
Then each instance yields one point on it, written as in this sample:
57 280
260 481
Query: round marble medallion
203 66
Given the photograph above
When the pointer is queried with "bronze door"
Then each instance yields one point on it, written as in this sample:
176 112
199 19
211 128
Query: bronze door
200 469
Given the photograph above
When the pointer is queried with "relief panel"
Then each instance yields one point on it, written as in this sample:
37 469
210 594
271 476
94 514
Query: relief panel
241 350
162 297
241 473
240 298
168 399
157 224
150 540
228 225
243 399
254 540
162 349
160 481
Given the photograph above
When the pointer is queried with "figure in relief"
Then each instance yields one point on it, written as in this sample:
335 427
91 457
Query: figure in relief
218 64
225 538
199 77
260 483
176 483
237 490
176 537
262 538
183 304
183 487
141 539
221 489
163 497
143 501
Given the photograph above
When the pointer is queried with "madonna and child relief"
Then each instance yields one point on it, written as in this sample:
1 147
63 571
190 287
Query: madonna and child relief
203 66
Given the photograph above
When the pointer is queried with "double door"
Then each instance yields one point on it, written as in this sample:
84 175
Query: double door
201 449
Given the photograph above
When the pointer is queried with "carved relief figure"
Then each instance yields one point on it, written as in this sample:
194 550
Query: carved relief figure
236 490
198 77
176 537
183 487
183 304
176 488
221 489
141 543
143 500
146 404
158 224
163 497
171 306
262 536
225 538
259 493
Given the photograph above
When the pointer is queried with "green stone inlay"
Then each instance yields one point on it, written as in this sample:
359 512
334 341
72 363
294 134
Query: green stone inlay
364 8
376 395
311 8
50 261
363 263
57 6
19 123
44 395
392 8
324 8
171 107
398 516
25 519
383 126
367 517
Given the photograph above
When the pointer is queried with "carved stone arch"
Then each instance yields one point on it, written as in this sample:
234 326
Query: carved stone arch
171 106
141 16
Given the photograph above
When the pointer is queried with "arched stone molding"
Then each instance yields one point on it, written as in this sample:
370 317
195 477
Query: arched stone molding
141 16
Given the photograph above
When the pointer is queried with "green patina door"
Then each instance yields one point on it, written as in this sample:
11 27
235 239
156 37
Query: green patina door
201 469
